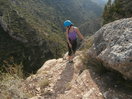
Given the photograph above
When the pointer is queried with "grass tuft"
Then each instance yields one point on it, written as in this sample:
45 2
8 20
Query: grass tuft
11 77
44 83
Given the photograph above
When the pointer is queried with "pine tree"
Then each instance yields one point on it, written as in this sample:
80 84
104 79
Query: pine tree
109 3
117 10
107 13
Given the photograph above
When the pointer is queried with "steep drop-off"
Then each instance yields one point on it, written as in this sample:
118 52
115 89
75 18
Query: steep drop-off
20 40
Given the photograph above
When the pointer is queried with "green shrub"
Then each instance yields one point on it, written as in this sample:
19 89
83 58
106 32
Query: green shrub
10 82
44 83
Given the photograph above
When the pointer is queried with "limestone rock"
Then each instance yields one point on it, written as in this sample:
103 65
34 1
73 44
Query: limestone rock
48 65
58 79
113 45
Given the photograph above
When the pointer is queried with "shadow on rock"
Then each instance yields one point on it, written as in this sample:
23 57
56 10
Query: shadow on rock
65 77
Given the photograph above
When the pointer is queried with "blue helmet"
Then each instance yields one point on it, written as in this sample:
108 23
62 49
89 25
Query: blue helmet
67 23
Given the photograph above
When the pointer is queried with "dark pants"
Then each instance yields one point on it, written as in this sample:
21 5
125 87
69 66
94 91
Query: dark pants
72 50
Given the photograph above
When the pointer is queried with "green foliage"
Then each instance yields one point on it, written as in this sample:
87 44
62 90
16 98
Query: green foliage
117 10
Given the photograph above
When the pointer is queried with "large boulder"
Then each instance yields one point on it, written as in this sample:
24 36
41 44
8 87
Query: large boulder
113 46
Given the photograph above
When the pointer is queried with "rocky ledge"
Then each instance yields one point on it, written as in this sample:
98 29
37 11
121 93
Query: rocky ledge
58 79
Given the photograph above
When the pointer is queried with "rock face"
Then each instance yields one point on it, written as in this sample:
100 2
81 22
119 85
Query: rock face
113 46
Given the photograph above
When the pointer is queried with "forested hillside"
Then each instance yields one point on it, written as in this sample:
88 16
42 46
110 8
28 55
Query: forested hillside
32 30
48 15
117 10
90 26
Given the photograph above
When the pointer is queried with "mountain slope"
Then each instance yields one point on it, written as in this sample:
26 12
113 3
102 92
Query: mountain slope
56 11
90 27
32 30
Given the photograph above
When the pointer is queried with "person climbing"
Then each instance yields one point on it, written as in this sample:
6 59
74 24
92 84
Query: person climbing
71 37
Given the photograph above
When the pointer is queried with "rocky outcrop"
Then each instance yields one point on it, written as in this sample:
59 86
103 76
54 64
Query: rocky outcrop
113 46
58 79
